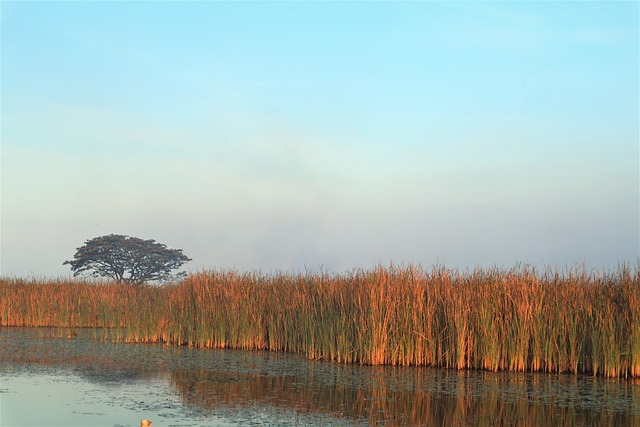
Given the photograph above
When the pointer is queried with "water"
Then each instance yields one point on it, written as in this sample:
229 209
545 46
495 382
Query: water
47 379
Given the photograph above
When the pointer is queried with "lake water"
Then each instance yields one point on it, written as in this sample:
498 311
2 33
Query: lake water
47 379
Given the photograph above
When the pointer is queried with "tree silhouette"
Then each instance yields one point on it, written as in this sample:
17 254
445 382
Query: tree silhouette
127 259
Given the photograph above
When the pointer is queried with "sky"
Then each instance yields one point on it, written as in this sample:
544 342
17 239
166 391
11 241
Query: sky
297 136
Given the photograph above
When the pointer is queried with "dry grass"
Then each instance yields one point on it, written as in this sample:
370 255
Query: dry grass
517 320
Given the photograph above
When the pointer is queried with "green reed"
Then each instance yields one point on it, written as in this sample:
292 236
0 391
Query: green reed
515 320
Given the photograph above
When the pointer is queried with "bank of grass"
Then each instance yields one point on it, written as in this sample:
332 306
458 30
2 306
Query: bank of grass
515 320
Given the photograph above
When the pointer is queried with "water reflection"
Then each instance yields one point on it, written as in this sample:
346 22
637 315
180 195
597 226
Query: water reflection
401 396
275 388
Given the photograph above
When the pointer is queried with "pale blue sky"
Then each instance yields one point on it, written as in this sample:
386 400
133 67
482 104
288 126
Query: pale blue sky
285 135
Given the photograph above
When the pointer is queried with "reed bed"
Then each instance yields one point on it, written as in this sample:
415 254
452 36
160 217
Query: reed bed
513 320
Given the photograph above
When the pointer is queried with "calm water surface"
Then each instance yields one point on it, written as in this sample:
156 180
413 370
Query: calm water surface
49 380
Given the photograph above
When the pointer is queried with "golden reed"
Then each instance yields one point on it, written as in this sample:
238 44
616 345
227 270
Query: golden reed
516 320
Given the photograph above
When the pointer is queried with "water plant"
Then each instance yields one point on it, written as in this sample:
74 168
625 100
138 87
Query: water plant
515 320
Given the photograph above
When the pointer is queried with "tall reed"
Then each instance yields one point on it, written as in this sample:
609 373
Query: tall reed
515 320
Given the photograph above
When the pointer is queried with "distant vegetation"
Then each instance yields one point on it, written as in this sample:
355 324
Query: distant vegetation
127 259
517 320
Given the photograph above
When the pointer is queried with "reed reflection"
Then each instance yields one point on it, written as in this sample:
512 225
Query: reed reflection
223 381
414 396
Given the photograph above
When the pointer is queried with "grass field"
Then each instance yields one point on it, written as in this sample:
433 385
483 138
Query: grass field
515 320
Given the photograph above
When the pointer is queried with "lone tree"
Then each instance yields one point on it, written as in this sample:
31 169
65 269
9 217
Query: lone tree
127 259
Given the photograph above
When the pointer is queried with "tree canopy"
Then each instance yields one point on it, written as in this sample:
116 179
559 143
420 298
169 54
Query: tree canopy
127 259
